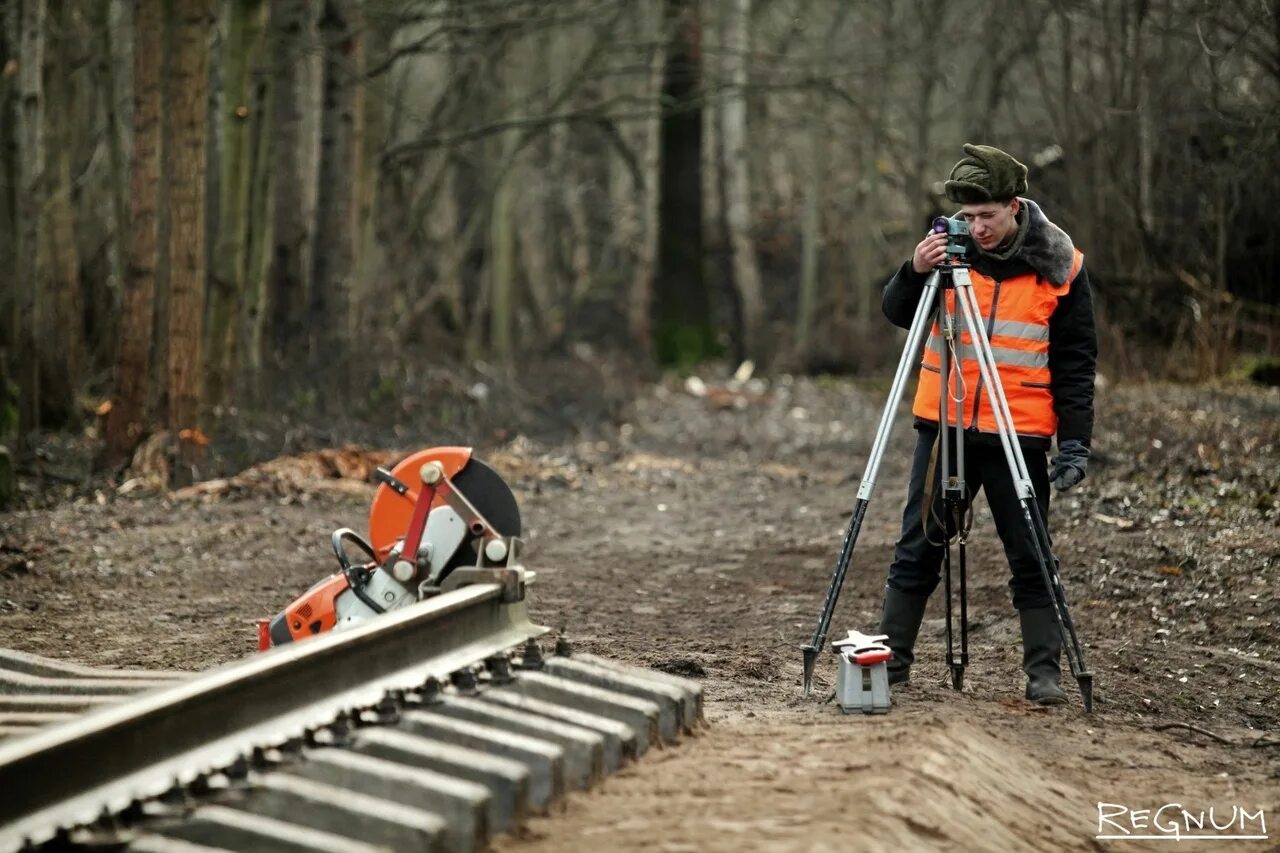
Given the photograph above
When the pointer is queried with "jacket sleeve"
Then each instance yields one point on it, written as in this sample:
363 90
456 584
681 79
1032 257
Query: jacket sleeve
1073 361
902 295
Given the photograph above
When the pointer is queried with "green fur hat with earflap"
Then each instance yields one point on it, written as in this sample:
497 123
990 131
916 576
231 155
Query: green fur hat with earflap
987 174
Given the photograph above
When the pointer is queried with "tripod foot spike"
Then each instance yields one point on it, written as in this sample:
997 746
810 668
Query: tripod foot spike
1085 680
957 677
810 658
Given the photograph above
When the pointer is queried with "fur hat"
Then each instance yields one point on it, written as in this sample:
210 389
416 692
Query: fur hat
987 174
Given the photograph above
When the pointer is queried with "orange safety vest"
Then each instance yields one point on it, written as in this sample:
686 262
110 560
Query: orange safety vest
1016 312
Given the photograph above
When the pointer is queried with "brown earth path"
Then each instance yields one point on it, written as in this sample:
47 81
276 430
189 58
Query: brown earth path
700 539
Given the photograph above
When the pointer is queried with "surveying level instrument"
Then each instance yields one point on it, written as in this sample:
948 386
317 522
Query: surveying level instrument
956 312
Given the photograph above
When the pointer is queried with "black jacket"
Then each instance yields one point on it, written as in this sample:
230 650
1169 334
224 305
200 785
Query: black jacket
1073 340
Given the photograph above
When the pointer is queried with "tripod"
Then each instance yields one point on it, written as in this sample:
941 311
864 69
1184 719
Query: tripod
954 316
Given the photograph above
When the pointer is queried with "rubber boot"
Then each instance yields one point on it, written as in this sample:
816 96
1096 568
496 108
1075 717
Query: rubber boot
1041 647
900 618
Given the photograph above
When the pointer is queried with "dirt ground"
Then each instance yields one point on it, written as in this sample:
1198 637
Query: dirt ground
699 537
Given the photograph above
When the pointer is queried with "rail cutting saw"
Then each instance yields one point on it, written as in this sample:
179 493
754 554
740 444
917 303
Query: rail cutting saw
440 519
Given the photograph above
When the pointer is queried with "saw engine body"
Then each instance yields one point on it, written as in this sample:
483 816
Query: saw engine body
439 520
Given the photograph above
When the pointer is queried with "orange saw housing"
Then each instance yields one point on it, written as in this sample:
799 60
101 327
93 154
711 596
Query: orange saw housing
315 610
391 512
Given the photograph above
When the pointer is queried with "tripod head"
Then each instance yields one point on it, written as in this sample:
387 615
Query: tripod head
957 231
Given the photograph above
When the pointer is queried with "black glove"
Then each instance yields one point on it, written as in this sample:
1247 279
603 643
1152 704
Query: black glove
1069 464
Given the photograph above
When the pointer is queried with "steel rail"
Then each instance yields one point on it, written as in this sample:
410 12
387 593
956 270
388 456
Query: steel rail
74 773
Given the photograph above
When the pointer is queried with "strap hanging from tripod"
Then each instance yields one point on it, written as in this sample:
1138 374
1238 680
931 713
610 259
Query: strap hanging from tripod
964 522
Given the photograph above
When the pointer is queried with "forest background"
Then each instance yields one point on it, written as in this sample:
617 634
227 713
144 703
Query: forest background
239 218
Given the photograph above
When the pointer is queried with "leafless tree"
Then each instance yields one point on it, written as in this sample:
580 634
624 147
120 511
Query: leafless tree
126 423
498 181
188 110
29 210
243 28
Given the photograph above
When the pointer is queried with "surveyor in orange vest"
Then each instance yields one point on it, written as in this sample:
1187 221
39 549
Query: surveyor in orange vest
1033 290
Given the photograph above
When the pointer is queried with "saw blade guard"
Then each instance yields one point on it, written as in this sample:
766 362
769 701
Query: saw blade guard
391 513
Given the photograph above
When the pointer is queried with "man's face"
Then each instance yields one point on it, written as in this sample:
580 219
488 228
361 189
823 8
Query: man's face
991 222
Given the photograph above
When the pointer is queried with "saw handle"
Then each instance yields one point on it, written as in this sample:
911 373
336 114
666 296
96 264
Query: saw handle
346 534
357 576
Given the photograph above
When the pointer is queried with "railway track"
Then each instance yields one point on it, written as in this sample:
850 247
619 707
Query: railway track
430 728
37 691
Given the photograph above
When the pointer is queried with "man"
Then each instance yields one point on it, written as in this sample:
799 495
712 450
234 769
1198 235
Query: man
1033 292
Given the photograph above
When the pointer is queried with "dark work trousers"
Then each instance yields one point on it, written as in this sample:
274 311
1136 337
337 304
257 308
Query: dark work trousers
917 561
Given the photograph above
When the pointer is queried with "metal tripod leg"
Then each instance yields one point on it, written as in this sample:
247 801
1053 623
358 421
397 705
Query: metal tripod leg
906 365
972 317
1066 625
956 663
952 475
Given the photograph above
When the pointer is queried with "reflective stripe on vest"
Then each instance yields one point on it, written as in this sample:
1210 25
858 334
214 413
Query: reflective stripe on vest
1015 313
1002 355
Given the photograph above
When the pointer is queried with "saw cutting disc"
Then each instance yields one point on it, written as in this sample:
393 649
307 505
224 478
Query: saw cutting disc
391 511
491 495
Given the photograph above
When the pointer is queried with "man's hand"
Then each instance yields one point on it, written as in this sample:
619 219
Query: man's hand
1069 464
929 253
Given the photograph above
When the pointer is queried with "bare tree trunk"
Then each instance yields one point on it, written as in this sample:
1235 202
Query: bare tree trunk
865 262
377 114
536 207
571 143
814 175
459 68
311 100
286 283
810 233
9 28
681 309
31 166
502 263
733 141
716 207
60 305
926 63
533 241
250 327
115 52
188 110
227 285
362 182
1145 137
579 230
1070 131
125 422
453 252
334 252
868 244
642 285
